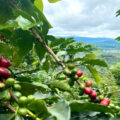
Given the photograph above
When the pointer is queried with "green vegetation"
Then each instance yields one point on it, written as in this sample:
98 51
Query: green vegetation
45 79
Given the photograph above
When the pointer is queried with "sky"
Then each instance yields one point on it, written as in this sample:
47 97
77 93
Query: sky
85 18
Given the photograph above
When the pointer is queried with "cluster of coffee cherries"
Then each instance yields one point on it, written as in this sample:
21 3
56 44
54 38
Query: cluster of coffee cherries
93 95
11 85
74 74
2 37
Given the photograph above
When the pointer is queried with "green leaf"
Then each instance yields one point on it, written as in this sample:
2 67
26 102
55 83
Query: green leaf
61 111
23 42
6 12
53 1
5 49
3 94
10 24
39 107
6 116
30 88
79 106
40 50
94 73
91 59
39 4
25 24
61 85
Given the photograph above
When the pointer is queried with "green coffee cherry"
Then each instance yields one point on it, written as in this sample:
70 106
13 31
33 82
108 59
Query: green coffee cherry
22 111
66 72
23 101
10 82
30 98
71 66
17 87
17 94
101 97
74 71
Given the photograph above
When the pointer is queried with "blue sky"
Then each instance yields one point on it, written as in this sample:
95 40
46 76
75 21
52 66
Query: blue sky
88 18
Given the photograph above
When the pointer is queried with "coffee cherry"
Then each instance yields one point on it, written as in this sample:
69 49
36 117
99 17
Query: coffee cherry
1 57
88 83
87 90
17 87
101 97
104 102
3 38
75 78
2 85
22 111
23 101
4 72
5 63
82 86
117 108
71 66
74 71
66 72
30 98
107 99
93 94
96 100
79 73
17 94
10 82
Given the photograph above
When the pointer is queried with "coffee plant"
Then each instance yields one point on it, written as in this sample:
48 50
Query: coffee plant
43 77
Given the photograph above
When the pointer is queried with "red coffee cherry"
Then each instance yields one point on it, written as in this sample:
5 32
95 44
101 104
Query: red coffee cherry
107 99
104 102
88 83
87 90
93 94
5 63
4 72
79 73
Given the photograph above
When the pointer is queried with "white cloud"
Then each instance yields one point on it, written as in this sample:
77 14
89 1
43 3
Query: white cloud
95 18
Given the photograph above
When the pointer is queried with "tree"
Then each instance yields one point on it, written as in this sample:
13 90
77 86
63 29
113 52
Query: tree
43 89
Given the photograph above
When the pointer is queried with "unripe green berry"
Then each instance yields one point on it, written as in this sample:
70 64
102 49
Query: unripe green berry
23 101
17 87
17 94
22 111
30 98
10 82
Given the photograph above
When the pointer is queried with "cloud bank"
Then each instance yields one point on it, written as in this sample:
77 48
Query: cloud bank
88 18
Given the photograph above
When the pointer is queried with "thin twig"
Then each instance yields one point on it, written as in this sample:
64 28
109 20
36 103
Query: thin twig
9 106
13 96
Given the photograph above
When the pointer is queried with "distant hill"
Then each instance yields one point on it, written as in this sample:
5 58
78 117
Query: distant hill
102 43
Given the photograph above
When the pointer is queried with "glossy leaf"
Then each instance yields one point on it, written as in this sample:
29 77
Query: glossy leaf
94 73
78 106
60 110
39 4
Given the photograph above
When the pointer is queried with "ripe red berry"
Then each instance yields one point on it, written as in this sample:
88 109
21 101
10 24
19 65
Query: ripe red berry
104 102
93 94
88 83
3 38
5 63
79 73
107 99
4 72
87 90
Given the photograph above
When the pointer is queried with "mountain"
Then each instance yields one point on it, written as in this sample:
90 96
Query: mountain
101 43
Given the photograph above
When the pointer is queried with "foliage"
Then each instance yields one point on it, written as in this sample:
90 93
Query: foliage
45 91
